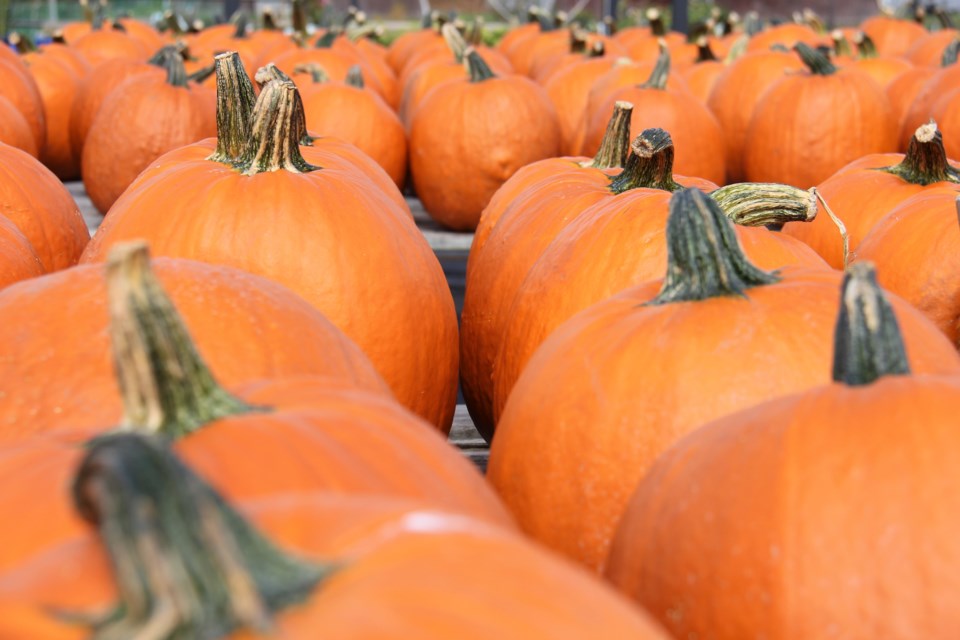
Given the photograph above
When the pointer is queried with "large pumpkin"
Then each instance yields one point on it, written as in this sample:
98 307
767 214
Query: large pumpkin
371 273
19 87
58 84
812 516
623 380
15 130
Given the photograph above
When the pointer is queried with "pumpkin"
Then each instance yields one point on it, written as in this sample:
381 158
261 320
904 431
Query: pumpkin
698 135
159 113
736 94
58 85
18 261
866 190
348 573
702 76
33 199
376 69
928 50
462 149
946 111
914 250
569 91
903 90
883 69
106 43
407 44
846 480
19 87
143 32
359 116
935 89
807 126
589 399
371 273
645 44
892 36
15 130
786 35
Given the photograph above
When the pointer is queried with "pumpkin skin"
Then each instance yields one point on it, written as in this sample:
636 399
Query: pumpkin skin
407 45
589 401
461 151
806 126
787 35
928 50
18 86
17 258
736 94
915 249
947 112
861 194
33 199
58 86
15 130
155 113
924 104
892 36
569 90
105 44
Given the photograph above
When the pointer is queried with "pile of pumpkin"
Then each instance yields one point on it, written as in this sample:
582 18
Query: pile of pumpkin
729 400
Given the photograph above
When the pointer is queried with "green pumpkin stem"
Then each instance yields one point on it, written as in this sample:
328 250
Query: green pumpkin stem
597 50
650 166
241 22
317 73
186 563
704 258
268 21
172 62
816 62
926 159
203 73
841 46
277 127
704 52
165 385
477 67
235 101
951 53
661 70
655 19
866 48
326 40
615 146
756 204
867 342
355 77
270 73
455 42
578 41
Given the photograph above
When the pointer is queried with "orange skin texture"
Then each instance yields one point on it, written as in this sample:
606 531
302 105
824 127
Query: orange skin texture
18 86
371 273
138 122
362 118
58 86
18 261
787 34
335 63
515 589
946 111
407 45
860 196
147 35
646 48
807 127
318 434
569 90
903 90
892 36
548 64
106 44
883 70
468 138
605 251
543 44
376 71
15 130
41 207
519 33
94 90
924 104
928 50
736 94
702 77
620 382
696 134
819 515
623 75
69 56
246 328
916 248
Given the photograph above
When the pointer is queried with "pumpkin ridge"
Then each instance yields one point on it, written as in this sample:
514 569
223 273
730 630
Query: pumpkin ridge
925 162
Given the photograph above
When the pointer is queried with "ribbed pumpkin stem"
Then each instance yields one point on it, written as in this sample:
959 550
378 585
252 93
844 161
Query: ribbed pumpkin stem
866 48
187 565
165 384
455 42
277 127
317 73
271 73
235 102
756 204
951 53
616 140
650 166
203 73
867 341
326 40
172 63
661 70
477 67
578 41
704 258
816 62
655 18
355 77
841 46
926 159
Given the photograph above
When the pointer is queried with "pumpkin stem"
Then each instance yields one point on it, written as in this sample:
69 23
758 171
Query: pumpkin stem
172 62
271 72
203 73
235 101
704 258
753 204
268 21
317 73
951 53
841 46
704 52
299 17
326 40
650 166
926 160
477 66
187 564
23 44
655 18
616 140
866 48
810 18
355 77
661 70
818 63
578 41
867 341
165 384
738 50
610 25
278 125
597 50
455 42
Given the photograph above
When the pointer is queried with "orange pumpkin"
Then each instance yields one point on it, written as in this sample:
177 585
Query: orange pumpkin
845 480
19 87
928 50
58 85
15 130
883 69
18 261
936 88
892 36
903 90
722 335
569 90
786 35
946 111
106 43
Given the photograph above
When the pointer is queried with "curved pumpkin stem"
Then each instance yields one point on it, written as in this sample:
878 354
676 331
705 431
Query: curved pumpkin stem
841 46
270 73
704 258
165 384
578 40
816 62
187 564
277 127
661 70
616 140
866 48
867 341
317 73
597 50
172 62
355 77
477 67
23 44
650 166
926 159
235 101
951 53
756 204
455 41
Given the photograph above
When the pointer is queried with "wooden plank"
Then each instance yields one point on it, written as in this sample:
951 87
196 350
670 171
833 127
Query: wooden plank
466 438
